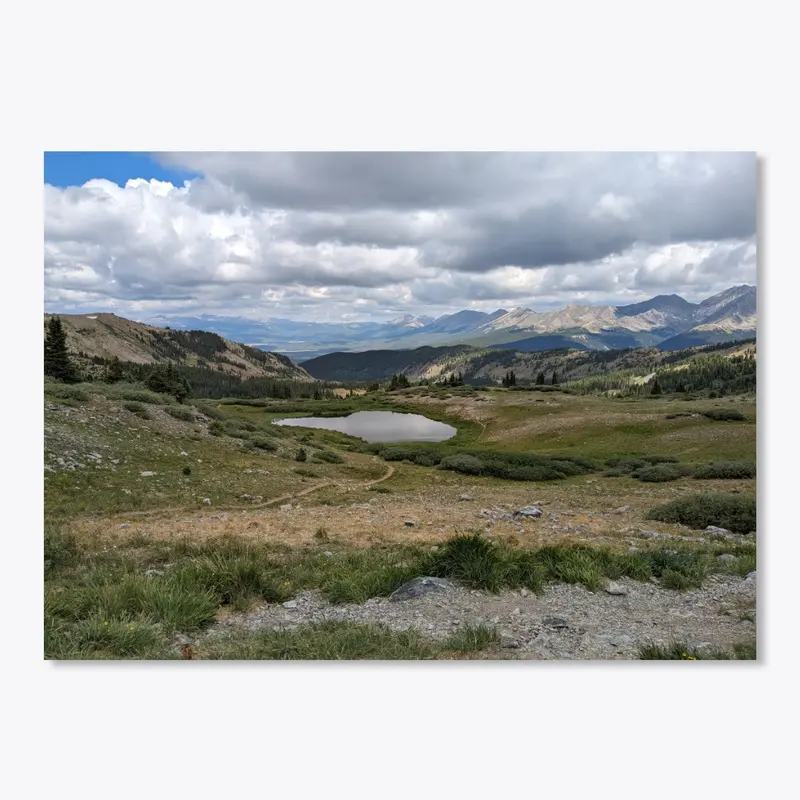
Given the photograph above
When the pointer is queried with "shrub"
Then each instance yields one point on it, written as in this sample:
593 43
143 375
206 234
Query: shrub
144 396
187 470
726 469
328 456
380 489
301 455
181 413
466 464
471 560
736 513
658 459
625 465
306 473
133 406
660 473
264 444
66 392
723 414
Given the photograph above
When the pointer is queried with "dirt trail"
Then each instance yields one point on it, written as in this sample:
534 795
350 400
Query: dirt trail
285 498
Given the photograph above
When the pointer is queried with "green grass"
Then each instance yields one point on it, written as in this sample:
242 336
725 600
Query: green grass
326 641
680 651
181 412
736 513
472 639
660 473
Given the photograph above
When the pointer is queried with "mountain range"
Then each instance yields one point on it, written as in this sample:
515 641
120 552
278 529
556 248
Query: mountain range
668 322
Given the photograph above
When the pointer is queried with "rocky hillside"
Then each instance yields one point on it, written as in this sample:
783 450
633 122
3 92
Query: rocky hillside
99 338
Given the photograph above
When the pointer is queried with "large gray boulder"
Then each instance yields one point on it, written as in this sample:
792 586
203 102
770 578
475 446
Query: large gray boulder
420 586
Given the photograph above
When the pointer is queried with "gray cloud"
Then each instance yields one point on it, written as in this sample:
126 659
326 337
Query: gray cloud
354 233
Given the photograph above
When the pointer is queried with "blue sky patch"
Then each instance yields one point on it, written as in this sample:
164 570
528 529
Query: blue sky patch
74 169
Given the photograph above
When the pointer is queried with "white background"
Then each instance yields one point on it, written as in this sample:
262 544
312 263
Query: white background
300 75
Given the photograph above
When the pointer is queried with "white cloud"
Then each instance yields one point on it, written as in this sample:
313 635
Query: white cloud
428 234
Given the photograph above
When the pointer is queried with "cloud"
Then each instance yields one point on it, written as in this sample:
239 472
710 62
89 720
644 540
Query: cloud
356 233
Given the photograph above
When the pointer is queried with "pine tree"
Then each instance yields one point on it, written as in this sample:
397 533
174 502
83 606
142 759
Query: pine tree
554 382
540 379
114 371
656 387
57 362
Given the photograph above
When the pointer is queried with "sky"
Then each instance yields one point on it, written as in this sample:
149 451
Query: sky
352 236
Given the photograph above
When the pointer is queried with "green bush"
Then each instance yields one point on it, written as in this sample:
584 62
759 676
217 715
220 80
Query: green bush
261 443
328 456
180 412
626 465
659 473
658 459
463 463
187 470
145 396
306 473
301 455
736 513
135 407
722 414
66 392
726 470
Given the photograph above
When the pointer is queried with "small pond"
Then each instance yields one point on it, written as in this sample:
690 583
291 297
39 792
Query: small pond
379 426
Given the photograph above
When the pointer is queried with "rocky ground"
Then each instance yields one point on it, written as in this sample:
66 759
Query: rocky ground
565 622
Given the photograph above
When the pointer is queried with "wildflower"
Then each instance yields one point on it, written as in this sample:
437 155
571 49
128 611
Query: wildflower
105 623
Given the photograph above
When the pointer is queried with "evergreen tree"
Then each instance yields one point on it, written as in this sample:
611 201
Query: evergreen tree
57 362
656 387
113 371
554 382
540 379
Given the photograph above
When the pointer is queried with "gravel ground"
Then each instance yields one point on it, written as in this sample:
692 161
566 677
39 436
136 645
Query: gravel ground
588 625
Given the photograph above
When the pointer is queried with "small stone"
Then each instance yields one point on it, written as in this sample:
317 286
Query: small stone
410 523
529 511
207 501
516 612
328 554
751 576
621 510
558 623
286 507
465 497
125 525
508 642
290 604
184 453
495 620
615 588
147 474
524 592
434 548
726 557
650 534
719 531
621 640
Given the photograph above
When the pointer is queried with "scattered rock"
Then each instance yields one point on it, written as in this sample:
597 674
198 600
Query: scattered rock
651 534
621 510
218 517
290 604
508 642
420 586
125 525
516 612
328 554
184 453
286 507
410 523
147 474
751 576
465 497
615 588
207 501
559 623
529 511
621 640
524 592
718 531
726 557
